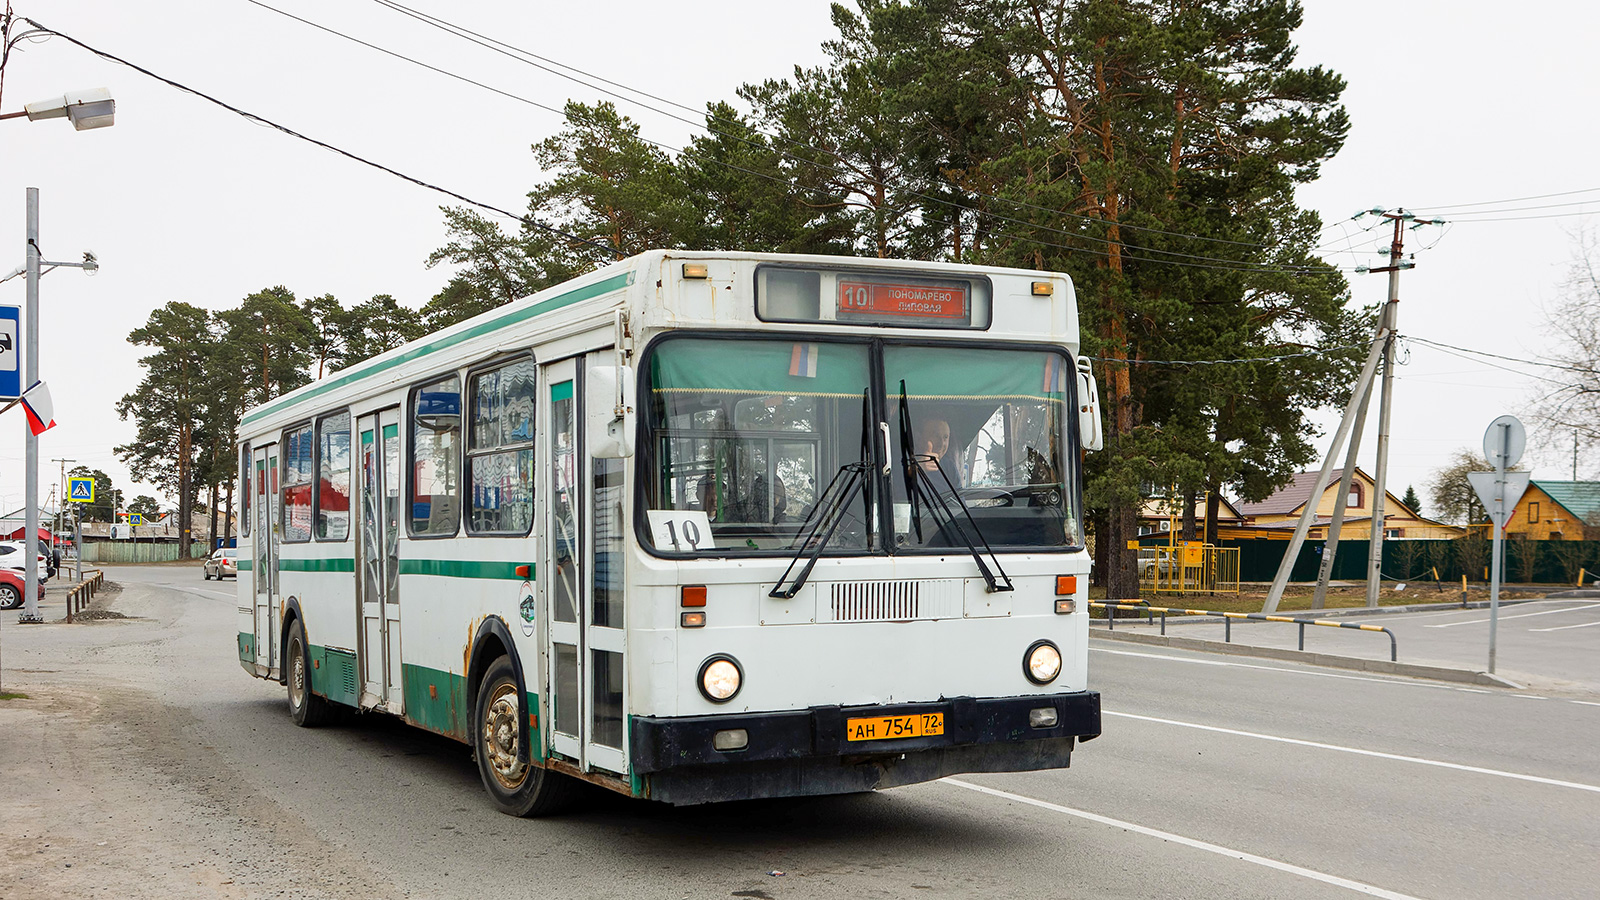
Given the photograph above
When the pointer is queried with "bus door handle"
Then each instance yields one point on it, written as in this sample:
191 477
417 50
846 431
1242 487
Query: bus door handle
883 427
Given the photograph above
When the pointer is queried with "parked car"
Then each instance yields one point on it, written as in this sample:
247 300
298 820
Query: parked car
224 562
12 589
11 557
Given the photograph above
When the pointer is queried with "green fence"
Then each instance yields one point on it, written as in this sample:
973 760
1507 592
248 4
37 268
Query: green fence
1526 562
137 552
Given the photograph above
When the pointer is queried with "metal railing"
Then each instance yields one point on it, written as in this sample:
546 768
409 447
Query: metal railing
1228 617
83 593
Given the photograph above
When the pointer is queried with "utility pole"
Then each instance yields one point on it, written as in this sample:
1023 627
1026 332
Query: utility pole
61 508
1388 319
1353 421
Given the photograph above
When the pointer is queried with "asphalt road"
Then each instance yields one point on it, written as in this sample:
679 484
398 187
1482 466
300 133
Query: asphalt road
171 773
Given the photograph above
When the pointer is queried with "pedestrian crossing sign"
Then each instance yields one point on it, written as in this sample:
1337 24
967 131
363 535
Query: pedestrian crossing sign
80 490
135 519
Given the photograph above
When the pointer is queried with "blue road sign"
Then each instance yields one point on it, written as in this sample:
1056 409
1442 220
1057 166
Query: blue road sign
10 352
80 490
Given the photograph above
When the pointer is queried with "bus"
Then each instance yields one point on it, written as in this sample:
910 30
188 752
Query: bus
694 527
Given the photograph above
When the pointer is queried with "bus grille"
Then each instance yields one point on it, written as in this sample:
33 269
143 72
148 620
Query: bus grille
891 601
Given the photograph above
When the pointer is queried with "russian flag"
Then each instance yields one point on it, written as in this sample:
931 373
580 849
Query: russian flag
803 361
41 412
1055 375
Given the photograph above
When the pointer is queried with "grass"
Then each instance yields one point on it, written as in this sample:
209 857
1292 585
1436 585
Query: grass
8 695
1299 597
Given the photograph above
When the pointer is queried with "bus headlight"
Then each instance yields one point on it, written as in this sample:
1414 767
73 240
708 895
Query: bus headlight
721 677
1042 662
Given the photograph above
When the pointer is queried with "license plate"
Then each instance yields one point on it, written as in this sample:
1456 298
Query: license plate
887 728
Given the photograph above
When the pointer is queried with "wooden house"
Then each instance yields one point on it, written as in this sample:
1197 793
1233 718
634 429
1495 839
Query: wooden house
1276 516
1556 511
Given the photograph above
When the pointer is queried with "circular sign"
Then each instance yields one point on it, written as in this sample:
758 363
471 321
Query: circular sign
1504 442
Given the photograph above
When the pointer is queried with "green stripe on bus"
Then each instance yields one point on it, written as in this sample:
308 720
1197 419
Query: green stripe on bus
345 564
391 431
359 372
244 565
437 701
560 392
462 568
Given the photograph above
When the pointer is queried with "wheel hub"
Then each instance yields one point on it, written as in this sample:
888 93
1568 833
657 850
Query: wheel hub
502 737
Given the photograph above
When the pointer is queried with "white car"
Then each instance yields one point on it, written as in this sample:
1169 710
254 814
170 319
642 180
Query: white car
223 564
12 557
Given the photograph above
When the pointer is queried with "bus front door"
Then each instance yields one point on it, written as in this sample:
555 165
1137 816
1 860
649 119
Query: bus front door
378 561
264 567
581 571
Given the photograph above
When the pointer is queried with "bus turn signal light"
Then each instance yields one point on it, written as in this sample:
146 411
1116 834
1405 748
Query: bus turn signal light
693 620
1043 289
696 270
523 571
693 596
1066 607
1066 585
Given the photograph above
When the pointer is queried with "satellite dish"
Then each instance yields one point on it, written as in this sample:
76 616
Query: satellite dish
1504 442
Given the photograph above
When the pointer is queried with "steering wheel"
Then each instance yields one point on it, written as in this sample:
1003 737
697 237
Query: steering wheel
981 497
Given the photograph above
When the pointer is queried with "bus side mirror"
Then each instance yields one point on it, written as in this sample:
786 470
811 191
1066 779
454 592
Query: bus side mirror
1090 435
608 401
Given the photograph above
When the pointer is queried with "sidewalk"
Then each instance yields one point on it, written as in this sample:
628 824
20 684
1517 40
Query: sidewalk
1427 641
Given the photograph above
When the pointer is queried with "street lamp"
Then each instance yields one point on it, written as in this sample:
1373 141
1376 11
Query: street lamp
85 110
93 108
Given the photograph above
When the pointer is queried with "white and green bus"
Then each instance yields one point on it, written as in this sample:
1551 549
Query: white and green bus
694 527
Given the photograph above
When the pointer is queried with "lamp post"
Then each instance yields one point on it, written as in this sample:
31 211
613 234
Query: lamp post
85 110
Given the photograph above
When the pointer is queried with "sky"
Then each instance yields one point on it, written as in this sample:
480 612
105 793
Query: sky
1454 105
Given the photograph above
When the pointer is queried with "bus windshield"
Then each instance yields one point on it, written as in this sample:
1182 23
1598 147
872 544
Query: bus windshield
745 435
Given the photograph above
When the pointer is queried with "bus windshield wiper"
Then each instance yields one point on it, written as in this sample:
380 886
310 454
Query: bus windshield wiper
922 493
850 480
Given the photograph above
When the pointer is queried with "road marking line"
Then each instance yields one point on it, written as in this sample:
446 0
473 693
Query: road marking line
1236 665
1587 702
1313 874
1530 696
1592 788
1547 612
1565 627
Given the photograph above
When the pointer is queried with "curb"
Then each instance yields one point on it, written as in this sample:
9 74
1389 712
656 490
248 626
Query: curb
1383 666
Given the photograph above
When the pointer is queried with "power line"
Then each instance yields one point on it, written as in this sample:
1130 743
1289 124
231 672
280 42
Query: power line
1526 218
1530 362
1202 262
1511 199
1491 212
326 146
511 51
1326 351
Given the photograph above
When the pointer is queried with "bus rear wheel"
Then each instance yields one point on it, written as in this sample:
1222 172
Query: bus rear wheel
305 707
517 785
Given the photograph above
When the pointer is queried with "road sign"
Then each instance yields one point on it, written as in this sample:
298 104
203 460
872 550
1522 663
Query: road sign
1505 437
80 490
1499 498
10 353
135 519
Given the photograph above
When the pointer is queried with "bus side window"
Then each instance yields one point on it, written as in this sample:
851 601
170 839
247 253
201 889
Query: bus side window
500 450
436 457
333 477
244 490
297 481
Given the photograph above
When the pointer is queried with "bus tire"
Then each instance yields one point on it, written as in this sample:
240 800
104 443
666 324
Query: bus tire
517 786
306 708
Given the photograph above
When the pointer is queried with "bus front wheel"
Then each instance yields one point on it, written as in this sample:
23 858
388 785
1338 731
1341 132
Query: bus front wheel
517 785
305 707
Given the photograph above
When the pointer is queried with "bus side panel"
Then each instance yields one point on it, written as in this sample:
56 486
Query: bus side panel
323 586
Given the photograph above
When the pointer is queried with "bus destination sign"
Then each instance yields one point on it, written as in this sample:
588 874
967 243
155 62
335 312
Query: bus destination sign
881 300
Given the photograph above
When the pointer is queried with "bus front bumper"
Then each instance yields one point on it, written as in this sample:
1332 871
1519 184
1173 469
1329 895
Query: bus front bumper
808 751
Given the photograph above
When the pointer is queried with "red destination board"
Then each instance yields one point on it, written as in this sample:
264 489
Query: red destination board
912 301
